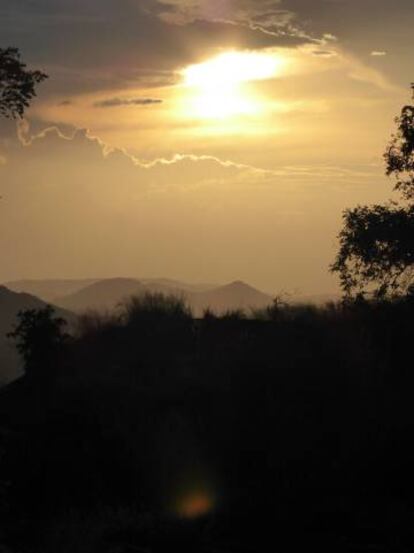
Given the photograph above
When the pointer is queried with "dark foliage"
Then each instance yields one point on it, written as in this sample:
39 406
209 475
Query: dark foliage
400 154
160 432
39 338
377 242
17 84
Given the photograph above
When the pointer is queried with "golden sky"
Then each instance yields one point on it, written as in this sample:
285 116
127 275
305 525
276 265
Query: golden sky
194 139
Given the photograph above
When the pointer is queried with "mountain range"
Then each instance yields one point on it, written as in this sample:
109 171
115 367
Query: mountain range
106 294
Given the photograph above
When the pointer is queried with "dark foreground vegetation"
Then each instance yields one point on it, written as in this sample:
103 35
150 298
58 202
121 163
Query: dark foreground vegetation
151 431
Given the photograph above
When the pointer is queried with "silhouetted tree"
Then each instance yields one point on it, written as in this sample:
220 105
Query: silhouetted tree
39 337
17 84
377 242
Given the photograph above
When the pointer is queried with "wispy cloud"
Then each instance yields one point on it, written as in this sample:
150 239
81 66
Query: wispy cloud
324 53
120 102
98 149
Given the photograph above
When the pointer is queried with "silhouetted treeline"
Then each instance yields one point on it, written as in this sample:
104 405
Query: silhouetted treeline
156 430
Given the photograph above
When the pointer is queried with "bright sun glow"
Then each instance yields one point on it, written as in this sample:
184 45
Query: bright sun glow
219 84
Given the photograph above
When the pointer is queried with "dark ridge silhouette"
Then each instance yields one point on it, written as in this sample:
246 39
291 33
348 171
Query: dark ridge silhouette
158 431
49 289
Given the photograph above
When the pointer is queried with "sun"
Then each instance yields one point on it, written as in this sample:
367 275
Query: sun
220 85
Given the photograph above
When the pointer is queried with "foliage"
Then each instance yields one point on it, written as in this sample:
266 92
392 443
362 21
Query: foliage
377 242
288 422
149 308
377 246
39 336
400 154
280 425
17 84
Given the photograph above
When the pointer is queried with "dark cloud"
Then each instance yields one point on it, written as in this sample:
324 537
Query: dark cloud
105 44
358 26
98 45
324 53
262 16
118 102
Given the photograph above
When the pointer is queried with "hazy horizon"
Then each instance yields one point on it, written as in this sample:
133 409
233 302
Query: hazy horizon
179 281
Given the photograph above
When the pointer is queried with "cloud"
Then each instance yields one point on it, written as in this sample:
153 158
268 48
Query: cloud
83 144
330 37
261 16
74 206
358 71
132 45
118 102
98 45
27 138
324 53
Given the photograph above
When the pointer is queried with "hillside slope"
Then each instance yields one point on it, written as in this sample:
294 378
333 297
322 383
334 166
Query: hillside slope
237 295
49 289
102 295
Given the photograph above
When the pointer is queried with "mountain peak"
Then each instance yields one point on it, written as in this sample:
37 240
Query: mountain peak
239 284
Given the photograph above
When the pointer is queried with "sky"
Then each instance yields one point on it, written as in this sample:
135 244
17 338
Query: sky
202 140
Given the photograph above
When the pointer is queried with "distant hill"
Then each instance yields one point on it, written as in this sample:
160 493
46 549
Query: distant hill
48 290
54 290
237 295
10 304
102 295
107 294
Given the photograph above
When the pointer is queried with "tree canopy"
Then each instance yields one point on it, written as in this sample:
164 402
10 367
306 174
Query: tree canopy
376 252
39 336
17 84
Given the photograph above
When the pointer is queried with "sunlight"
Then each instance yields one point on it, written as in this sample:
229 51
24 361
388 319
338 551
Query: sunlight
218 84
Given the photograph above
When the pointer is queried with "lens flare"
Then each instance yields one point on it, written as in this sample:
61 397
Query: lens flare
195 505
193 497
